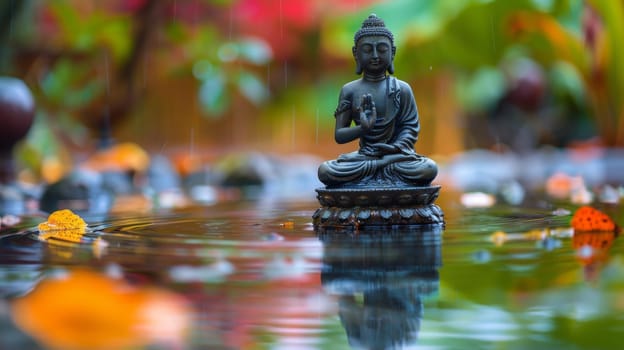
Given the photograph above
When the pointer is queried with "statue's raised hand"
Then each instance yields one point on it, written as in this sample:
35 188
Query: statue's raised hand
368 112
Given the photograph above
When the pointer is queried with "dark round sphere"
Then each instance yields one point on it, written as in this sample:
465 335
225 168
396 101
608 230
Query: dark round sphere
17 111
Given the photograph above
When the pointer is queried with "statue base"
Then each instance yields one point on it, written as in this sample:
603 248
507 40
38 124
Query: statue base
361 208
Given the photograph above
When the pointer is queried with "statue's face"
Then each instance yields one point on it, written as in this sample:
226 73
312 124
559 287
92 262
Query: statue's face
374 53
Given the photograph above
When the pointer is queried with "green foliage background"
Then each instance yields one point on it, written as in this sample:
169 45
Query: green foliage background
93 65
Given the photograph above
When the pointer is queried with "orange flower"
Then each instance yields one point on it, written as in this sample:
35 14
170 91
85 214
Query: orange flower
587 219
87 310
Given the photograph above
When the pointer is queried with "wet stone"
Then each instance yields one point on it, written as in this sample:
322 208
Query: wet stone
82 191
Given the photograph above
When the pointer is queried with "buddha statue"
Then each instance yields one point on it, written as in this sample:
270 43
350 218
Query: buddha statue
380 111
385 183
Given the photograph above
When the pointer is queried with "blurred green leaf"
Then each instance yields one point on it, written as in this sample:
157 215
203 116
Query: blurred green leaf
203 69
470 36
228 52
67 17
202 44
566 81
252 87
98 30
255 51
612 13
68 85
411 21
114 34
212 94
176 32
58 80
482 89
40 141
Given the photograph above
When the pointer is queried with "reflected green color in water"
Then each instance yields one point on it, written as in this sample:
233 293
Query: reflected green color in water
257 276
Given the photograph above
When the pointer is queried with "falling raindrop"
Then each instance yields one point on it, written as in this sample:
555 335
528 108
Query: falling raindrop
231 23
492 32
163 147
268 76
105 132
145 64
293 134
175 9
195 13
317 127
285 74
281 20
11 8
106 75
192 143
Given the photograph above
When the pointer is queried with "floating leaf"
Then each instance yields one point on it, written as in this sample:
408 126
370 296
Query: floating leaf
63 225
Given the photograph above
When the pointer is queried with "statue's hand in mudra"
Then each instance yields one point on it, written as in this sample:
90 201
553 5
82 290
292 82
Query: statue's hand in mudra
368 112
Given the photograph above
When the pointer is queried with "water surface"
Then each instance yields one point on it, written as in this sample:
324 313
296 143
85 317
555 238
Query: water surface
253 275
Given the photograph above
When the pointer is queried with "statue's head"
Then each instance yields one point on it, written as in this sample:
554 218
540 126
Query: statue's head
373 32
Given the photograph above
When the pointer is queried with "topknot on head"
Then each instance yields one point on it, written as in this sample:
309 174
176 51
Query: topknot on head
373 25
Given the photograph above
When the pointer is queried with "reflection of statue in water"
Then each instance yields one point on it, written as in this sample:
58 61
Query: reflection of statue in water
384 319
385 116
380 282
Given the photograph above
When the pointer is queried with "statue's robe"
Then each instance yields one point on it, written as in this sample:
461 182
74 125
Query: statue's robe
372 166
